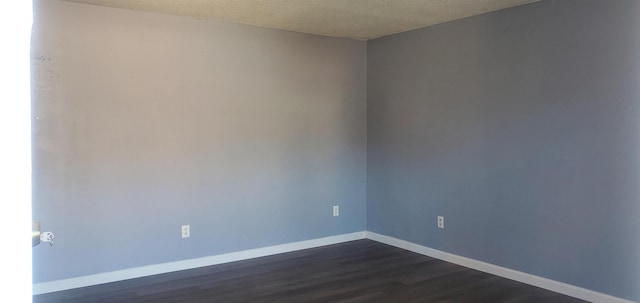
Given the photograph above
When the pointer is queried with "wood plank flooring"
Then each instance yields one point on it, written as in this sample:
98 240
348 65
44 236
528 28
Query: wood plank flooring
358 271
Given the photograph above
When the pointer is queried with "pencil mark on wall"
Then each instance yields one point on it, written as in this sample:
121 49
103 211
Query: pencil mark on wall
45 76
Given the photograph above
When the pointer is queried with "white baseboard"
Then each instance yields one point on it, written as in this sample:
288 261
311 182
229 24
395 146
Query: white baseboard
130 273
559 287
137 272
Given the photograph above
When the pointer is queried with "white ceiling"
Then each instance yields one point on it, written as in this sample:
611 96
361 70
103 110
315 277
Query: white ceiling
357 19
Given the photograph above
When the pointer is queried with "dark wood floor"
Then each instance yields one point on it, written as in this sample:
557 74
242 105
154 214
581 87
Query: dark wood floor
358 271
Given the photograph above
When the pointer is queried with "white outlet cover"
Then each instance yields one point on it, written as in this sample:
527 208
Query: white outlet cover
440 221
336 210
185 231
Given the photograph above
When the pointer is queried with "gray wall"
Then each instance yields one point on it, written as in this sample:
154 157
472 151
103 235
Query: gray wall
521 128
144 122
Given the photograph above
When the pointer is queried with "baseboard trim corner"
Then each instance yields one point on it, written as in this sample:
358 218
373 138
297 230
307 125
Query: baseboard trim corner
556 286
137 272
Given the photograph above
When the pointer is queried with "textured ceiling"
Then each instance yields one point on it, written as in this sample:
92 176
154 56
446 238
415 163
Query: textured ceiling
357 19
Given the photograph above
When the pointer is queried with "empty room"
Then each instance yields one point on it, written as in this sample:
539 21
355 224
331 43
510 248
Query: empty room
335 151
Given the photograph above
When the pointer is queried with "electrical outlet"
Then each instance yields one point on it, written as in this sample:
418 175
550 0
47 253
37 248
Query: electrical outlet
336 210
185 231
440 221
